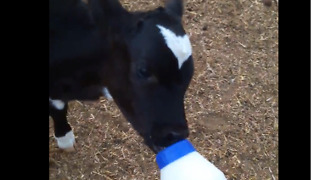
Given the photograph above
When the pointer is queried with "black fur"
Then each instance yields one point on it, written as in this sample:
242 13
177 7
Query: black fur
103 45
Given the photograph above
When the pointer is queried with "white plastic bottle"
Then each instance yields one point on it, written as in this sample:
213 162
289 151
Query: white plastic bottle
181 161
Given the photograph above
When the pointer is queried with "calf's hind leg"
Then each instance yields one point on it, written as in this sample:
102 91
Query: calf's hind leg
62 130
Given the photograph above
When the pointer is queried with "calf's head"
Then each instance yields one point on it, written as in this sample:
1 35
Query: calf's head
151 70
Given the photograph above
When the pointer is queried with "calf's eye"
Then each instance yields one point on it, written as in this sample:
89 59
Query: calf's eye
143 73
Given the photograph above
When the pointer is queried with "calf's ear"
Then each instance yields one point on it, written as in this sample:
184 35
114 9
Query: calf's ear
105 12
175 7
107 7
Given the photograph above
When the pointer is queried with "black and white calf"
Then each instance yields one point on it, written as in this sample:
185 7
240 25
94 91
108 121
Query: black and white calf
143 59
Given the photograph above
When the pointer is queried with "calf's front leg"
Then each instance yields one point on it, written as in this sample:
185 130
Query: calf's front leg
62 130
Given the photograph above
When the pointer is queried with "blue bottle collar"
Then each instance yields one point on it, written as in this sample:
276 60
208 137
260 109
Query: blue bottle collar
174 152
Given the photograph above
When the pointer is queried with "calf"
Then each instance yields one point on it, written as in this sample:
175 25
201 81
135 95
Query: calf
143 60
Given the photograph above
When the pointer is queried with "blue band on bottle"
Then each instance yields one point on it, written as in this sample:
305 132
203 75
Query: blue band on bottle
174 152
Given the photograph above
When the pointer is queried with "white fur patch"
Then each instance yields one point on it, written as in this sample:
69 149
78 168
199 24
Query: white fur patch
66 141
179 45
57 104
106 93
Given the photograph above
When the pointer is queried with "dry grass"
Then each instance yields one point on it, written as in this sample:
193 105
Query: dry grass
231 105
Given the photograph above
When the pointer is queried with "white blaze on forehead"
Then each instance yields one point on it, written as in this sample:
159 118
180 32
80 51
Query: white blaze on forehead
179 45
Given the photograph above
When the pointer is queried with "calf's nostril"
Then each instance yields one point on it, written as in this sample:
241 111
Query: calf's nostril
166 136
172 136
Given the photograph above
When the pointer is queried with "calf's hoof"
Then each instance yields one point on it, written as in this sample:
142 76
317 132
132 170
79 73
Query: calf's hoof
67 142
70 149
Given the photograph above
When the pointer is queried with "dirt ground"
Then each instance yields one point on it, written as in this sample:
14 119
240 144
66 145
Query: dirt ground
231 105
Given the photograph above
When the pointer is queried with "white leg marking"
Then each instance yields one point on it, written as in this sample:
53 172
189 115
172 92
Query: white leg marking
179 45
107 94
67 141
57 104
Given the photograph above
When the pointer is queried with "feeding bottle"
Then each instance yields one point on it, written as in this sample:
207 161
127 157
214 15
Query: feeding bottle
181 161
